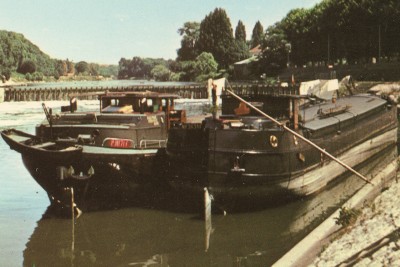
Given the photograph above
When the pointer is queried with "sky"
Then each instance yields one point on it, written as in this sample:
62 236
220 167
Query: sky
104 31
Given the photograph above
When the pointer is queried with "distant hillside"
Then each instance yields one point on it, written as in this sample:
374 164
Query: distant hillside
18 54
15 50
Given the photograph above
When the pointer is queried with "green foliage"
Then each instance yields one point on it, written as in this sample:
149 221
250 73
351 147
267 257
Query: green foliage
60 68
27 66
136 67
70 67
94 69
347 216
108 70
216 37
16 50
240 32
257 36
160 73
82 67
150 63
139 68
239 51
187 71
205 67
131 68
176 77
19 54
275 49
123 68
354 31
190 35
239 48
5 74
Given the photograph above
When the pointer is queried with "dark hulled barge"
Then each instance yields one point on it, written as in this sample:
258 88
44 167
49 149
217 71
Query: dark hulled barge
241 154
101 154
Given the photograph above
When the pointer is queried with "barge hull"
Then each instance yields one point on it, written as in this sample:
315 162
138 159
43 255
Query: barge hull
310 181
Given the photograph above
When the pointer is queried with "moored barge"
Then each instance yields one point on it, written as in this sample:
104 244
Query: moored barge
102 154
240 154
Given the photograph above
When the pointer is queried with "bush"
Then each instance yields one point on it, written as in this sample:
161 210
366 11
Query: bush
27 66
176 77
5 74
347 216
160 73
28 76
82 67
36 76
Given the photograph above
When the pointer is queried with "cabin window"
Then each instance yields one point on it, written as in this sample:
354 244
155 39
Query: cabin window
114 102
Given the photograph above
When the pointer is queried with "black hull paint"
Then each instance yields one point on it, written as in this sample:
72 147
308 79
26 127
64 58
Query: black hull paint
241 163
111 186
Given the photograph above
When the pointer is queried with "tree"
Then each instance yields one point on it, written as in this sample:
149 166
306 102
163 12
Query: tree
123 68
94 69
27 66
275 49
150 63
205 67
5 74
108 70
298 33
216 37
240 32
82 67
160 73
187 70
60 69
15 49
136 68
70 66
257 36
190 34
239 49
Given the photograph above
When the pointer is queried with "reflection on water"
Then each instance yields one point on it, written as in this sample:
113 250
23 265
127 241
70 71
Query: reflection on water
159 237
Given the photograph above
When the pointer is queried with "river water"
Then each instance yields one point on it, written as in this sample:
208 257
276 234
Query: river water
141 236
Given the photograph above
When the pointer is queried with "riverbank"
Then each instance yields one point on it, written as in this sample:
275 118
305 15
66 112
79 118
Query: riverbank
378 219
331 244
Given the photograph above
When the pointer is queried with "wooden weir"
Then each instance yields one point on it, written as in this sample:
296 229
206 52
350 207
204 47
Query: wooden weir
194 91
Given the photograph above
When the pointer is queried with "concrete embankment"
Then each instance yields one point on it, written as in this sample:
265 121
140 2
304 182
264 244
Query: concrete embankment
330 245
